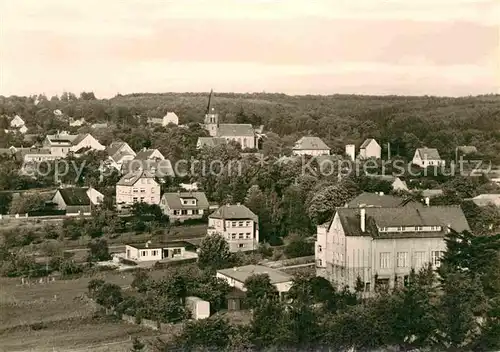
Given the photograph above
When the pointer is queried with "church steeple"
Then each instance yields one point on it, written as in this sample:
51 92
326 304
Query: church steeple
211 118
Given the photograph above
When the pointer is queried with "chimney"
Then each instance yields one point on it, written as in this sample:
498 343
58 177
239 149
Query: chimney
147 243
362 216
427 201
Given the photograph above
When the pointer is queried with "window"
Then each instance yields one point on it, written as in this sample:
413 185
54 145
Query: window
241 245
248 235
233 236
383 229
320 248
177 251
402 259
176 212
436 258
418 228
154 253
240 223
240 236
233 224
419 259
134 199
385 260
400 228
320 262
184 212
247 223
143 253
134 190
142 199
143 190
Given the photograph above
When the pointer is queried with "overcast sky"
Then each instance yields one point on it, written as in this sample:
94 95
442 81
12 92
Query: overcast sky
438 47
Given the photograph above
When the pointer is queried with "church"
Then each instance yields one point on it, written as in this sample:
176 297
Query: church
244 134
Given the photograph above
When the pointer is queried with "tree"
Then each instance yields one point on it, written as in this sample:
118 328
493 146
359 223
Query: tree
259 287
140 281
299 247
26 203
269 327
210 334
98 251
323 203
109 295
137 345
214 253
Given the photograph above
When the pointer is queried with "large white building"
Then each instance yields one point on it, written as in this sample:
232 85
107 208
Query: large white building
139 186
237 224
382 245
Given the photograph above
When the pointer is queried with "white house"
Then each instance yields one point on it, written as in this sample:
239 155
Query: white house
236 277
118 153
237 224
77 200
139 186
149 154
425 157
396 183
77 123
155 251
184 205
382 245
62 143
16 123
370 149
170 118
313 146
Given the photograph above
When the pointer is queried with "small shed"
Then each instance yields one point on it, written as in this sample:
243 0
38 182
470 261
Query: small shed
199 308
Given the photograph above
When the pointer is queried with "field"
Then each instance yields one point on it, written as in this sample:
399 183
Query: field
56 316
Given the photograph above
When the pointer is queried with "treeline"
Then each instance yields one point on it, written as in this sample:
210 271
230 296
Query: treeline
405 122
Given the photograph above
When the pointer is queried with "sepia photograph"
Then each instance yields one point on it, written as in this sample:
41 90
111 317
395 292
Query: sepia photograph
250 175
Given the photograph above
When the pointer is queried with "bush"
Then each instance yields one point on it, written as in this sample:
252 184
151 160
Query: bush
127 261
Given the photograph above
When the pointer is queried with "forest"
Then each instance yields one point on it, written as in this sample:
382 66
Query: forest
404 122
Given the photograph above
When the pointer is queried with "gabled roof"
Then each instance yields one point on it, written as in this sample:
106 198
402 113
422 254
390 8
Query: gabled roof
80 137
367 199
486 199
367 142
74 196
171 116
442 216
114 150
173 200
467 149
235 130
310 143
428 153
234 212
160 168
131 178
146 154
242 273
211 141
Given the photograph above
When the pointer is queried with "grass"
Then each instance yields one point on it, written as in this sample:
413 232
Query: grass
57 315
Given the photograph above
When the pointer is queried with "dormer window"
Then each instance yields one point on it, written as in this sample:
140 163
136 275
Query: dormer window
382 229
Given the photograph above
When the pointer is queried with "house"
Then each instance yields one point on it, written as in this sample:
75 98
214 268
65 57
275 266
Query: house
138 186
189 186
170 118
313 146
237 224
370 149
118 153
149 154
431 193
62 143
97 126
483 200
236 277
396 183
378 200
382 245
244 134
198 308
36 155
184 205
210 142
150 251
425 157
77 200
77 123
17 124
466 150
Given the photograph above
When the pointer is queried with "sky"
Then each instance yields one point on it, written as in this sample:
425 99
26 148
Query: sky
410 47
